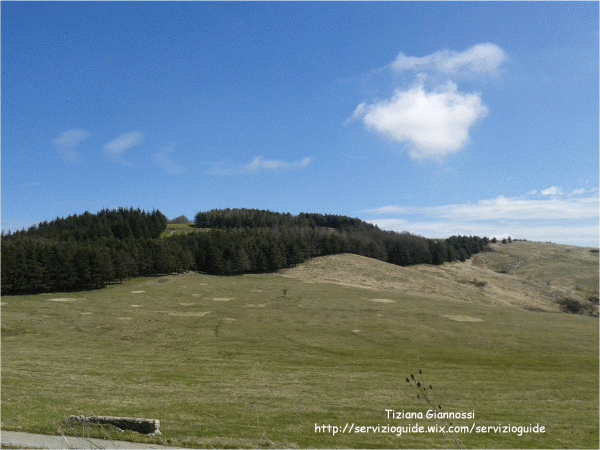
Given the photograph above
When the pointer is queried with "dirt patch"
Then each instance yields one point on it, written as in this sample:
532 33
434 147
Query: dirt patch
223 299
124 318
188 314
255 290
137 292
256 305
136 306
382 300
187 304
461 318
162 280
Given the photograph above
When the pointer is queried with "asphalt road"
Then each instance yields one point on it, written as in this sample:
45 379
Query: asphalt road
16 439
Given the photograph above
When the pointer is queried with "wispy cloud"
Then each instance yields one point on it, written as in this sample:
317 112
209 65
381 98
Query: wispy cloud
557 217
480 59
117 148
163 160
551 191
260 164
66 144
433 124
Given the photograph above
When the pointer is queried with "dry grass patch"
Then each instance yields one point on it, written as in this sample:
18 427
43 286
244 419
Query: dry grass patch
461 318
188 314
535 277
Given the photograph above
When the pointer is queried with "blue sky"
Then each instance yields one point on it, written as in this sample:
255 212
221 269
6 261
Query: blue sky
435 118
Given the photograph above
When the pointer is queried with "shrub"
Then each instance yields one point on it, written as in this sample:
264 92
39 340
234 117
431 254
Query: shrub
569 305
573 306
179 220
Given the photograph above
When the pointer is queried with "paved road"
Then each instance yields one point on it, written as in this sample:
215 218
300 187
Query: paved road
27 440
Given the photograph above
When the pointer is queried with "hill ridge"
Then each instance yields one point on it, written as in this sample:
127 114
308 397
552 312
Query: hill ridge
479 280
90 251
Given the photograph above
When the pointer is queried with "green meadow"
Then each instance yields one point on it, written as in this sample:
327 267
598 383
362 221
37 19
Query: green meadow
264 361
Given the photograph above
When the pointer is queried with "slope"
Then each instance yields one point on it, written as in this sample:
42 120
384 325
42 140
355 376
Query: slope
527 275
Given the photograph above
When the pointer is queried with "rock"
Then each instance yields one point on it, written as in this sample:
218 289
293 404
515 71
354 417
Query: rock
145 426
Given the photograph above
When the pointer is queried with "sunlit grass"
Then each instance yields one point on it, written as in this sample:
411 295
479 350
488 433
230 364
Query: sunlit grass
232 362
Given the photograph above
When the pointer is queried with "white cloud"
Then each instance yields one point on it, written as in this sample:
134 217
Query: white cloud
434 123
162 159
480 59
581 191
551 191
67 143
117 148
260 164
561 218
305 162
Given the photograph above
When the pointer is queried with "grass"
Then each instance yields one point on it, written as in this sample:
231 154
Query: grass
180 228
231 362
571 267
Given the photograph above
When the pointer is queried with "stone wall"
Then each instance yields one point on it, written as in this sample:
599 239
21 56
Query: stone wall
145 426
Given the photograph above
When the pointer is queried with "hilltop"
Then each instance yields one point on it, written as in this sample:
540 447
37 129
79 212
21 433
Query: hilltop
90 251
528 275
93 250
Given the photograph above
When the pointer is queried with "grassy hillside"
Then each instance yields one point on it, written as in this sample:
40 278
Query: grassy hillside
532 276
571 269
229 362
179 228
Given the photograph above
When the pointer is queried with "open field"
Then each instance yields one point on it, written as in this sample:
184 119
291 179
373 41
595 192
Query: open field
229 362
179 228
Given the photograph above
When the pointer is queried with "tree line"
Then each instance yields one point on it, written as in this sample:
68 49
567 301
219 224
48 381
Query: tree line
121 223
91 250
